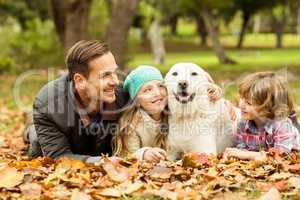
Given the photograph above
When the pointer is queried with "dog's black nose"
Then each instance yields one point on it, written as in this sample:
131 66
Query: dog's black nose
183 85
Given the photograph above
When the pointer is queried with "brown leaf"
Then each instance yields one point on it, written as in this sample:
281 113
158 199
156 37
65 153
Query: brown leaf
196 160
166 194
160 172
111 192
68 163
31 190
279 185
10 177
118 172
272 194
279 176
294 168
77 195
294 182
132 187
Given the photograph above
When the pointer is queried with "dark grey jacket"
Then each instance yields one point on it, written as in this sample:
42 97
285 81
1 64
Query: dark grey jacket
59 129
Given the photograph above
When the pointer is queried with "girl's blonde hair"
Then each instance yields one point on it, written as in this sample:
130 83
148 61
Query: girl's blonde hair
269 93
127 125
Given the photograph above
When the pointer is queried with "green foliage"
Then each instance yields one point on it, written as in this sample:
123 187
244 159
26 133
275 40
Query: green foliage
35 47
24 10
7 64
98 19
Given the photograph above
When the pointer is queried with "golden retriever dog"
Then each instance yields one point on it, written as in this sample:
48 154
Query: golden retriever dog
195 124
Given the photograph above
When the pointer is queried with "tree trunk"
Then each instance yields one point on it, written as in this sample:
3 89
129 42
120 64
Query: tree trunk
214 36
278 24
256 24
278 40
122 15
298 22
246 18
173 24
71 20
157 43
201 31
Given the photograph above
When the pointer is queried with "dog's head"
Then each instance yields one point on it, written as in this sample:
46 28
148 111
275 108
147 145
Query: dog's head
187 85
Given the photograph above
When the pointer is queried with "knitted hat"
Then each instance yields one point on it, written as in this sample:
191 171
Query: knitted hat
138 77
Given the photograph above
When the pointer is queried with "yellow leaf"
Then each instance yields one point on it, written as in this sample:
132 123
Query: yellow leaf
10 177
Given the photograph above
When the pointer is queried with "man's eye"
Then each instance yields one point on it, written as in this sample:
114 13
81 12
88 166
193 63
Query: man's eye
194 73
174 73
104 75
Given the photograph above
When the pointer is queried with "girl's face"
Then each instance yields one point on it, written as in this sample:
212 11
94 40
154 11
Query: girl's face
248 110
152 97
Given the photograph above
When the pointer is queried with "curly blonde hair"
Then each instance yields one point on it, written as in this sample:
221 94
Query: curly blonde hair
269 93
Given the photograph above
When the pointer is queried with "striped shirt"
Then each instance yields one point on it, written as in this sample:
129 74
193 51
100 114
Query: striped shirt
274 134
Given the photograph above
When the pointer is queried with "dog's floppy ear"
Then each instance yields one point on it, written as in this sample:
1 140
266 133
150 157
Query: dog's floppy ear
209 78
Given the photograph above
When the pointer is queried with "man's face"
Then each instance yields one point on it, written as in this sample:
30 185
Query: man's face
102 80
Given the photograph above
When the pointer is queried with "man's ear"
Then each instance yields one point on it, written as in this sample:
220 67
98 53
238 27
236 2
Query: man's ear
79 80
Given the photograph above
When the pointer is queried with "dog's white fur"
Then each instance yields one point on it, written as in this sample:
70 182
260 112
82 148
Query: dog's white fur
198 125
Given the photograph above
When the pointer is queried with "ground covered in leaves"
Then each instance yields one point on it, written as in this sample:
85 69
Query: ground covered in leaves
197 176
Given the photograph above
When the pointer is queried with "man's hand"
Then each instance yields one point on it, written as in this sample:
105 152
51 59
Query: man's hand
154 154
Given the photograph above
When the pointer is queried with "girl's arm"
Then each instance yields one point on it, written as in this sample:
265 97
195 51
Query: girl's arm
244 154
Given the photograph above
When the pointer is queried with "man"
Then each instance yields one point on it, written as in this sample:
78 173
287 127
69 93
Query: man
76 115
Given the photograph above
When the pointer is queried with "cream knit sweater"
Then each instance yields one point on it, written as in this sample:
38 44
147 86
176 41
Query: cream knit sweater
143 136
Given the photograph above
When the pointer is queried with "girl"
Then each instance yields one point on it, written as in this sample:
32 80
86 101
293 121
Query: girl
143 128
266 104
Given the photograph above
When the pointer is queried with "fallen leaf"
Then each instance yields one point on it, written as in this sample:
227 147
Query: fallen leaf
132 187
272 194
165 194
111 192
279 176
294 182
77 195
160 172
31 190
10 177
65 164
294 168
196 160
279 185
2 142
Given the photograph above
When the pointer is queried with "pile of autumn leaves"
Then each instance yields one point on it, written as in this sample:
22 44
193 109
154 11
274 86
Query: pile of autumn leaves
197 176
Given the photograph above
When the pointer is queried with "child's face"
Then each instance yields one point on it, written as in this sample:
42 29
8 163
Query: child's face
248 110
153 97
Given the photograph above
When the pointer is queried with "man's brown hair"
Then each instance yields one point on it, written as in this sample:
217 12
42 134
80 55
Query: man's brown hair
81 53
269 93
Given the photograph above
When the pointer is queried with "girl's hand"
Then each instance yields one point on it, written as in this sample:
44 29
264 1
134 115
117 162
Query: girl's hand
154 154
237 153
244 154
231 110
214 93
230 152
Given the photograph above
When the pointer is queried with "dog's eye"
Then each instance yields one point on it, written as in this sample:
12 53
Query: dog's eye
174 73
194 73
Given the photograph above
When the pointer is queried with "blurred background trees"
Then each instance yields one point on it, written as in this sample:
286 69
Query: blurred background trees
36 33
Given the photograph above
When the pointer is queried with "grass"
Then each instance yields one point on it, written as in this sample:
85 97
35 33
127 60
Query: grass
185 48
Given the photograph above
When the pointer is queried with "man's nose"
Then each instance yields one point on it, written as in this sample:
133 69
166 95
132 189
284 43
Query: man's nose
183 84
114 80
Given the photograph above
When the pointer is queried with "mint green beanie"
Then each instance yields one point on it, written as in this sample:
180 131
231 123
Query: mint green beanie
138 77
